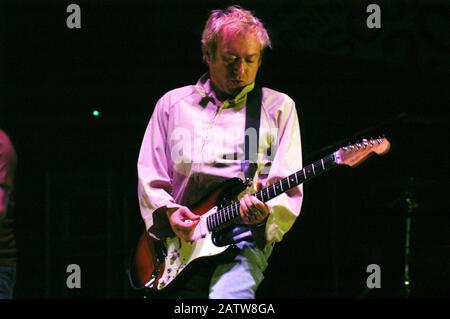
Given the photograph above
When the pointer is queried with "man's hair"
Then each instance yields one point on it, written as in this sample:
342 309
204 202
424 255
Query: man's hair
236 20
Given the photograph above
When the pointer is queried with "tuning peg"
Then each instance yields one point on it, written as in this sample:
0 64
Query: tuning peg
365 143
345 148
351 147
379 140
372 141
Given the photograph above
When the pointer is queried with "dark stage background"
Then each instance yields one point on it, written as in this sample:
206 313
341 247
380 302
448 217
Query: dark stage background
76 182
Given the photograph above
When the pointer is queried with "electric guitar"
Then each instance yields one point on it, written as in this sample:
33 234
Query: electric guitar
156 264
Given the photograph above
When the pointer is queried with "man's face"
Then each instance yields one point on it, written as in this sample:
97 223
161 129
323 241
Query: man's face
235 64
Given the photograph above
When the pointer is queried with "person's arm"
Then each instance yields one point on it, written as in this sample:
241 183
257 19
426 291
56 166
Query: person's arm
287 160
4 200
8 162
161 214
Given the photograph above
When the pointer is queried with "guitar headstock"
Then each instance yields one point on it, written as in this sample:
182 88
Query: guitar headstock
355 154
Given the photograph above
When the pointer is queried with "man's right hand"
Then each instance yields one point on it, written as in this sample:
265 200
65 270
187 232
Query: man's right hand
182 221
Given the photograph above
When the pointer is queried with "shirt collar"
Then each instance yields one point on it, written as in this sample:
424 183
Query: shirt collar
204 88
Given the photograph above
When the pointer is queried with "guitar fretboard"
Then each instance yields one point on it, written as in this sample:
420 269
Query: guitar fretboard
230 212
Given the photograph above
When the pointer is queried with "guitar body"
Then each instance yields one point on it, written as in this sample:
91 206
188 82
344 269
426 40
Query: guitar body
156 264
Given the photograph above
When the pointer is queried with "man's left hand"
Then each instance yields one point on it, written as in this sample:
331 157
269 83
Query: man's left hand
252 210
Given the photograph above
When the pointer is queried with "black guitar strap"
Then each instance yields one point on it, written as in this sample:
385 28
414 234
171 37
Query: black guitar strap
252 122
241 234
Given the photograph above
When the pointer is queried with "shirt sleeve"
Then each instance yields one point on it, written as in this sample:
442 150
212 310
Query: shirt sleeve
154 172
287 160
8 162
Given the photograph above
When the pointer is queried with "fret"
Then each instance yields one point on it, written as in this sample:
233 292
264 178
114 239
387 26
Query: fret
289 183
314 172
316 168
236 209
224 218
216 220
296 177
274 190
319 167
286 183
323 166
281 186
309 173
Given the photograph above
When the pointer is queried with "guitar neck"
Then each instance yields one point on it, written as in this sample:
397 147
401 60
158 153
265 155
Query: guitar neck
230 212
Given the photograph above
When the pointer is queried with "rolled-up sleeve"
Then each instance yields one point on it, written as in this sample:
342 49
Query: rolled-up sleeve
287 160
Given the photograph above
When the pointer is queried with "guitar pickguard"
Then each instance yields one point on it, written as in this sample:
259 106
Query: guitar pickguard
180 253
